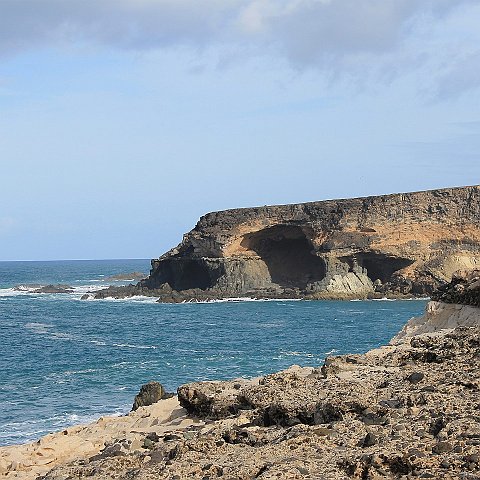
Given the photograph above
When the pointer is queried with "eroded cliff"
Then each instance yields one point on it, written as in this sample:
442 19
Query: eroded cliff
396 244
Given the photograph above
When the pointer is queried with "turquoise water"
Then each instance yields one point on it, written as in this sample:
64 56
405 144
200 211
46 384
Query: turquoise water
64 360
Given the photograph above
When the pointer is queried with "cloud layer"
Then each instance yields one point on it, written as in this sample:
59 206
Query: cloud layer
305 29
336 36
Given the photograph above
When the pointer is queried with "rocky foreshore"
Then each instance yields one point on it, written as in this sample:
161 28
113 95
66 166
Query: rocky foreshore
410 409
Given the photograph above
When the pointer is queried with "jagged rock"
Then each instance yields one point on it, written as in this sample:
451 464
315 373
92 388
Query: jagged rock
394 245
149 393
463 289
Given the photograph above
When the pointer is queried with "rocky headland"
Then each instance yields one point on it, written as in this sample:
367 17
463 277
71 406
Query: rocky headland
389 245
410 409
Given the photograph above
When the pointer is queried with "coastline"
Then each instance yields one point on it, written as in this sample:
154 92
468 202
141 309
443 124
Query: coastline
27 461
285 404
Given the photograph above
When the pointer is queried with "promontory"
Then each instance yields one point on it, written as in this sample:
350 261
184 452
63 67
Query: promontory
388 245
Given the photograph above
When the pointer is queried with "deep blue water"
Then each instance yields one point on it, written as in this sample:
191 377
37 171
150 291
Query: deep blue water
64 360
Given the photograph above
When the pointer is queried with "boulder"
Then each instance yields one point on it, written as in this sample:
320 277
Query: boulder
149 393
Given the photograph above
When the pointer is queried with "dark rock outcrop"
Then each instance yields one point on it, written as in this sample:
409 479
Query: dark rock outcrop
54 289
463 289
149 393
400 244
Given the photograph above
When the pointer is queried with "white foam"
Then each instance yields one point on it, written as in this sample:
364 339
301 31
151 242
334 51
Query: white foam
36 325
38 328
69 373
242 299
332 351
15 292
297 354
134 299
82 289
385 299
129 345
16 432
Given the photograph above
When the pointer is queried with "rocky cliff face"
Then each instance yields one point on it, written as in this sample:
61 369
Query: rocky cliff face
386 245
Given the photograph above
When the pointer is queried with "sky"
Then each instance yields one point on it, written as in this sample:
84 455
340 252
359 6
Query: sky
123 121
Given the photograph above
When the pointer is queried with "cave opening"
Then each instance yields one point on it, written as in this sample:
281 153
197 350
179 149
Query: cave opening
287 252
380 266
188 273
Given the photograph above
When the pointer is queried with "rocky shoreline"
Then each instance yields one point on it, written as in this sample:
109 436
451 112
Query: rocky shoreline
407 410
395 246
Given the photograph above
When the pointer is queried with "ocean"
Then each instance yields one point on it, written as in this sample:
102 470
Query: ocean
65 361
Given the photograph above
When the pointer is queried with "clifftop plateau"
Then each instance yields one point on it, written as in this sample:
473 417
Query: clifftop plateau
394 245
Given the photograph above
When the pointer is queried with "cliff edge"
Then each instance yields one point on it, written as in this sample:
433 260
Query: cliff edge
394 245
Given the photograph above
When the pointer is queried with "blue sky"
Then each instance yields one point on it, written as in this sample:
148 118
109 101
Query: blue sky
121 122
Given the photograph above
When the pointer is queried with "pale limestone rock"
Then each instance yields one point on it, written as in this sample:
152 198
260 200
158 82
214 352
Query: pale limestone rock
439 316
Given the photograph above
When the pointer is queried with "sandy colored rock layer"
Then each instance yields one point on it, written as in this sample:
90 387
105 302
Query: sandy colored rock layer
439 316
28 461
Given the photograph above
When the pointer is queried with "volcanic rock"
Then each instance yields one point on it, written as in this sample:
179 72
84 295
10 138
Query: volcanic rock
388 245
149 393
54 289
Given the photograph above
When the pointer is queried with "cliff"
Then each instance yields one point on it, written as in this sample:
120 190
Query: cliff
405 410
400 244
